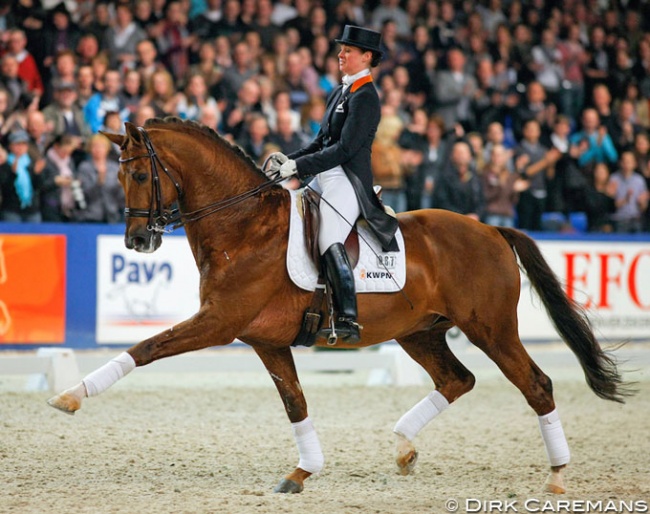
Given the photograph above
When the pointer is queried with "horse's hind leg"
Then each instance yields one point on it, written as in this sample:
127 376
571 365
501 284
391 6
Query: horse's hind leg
280 365
452 379
511 357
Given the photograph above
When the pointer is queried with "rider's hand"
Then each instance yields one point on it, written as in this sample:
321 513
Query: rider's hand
275 160
288 169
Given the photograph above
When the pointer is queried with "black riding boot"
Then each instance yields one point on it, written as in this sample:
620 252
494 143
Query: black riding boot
341 278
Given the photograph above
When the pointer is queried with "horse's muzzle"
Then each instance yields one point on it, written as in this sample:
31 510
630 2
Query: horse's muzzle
143 241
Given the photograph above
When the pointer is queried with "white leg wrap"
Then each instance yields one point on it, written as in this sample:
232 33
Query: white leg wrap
103 378
311 455
410 424
557 447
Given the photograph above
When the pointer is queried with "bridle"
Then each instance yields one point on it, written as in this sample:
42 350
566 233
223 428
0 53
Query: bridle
159 216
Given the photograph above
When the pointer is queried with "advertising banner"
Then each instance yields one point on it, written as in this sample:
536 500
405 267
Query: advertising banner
139 295
32 288
611 280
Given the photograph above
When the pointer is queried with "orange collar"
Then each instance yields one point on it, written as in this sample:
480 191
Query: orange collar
360 82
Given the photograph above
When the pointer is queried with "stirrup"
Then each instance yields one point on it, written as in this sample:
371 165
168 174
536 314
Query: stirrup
347 330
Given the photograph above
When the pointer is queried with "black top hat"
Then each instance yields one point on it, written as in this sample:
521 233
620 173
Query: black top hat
365 39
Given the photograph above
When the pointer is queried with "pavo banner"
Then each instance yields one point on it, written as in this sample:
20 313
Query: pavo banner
138 294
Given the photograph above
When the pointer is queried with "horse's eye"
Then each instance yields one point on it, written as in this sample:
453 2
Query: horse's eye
140 178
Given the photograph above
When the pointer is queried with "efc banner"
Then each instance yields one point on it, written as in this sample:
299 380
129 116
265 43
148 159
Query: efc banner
611 280
32 288
139 295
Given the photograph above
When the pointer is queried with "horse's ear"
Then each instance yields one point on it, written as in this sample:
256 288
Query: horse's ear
132 132
118 139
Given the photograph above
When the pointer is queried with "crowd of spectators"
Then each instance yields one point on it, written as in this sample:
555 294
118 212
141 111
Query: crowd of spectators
525 113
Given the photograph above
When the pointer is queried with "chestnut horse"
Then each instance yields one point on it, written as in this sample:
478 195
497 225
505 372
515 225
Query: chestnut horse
459 273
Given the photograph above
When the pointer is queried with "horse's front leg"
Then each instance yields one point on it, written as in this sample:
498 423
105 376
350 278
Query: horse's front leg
200 331
279 363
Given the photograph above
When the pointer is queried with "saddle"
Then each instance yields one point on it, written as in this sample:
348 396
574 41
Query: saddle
313 317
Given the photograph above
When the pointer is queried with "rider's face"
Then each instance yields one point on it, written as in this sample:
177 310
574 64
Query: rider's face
352 59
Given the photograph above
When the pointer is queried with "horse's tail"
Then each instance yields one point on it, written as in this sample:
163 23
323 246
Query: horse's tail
570 320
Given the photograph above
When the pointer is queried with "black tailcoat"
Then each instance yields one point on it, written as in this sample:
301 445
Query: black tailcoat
345 138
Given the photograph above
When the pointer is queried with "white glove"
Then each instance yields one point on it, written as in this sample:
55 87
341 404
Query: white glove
288 169
274 161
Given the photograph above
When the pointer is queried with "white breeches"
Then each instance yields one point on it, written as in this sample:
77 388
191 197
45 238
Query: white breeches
337 192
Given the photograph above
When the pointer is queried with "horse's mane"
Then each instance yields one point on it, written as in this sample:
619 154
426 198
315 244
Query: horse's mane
189 126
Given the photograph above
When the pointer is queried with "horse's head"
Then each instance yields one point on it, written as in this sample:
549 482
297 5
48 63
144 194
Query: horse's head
150 189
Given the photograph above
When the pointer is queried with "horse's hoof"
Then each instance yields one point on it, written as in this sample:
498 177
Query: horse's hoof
407 456
555 483
406 463
65 403
288 486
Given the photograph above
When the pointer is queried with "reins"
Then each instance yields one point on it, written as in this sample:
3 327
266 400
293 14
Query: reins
160 217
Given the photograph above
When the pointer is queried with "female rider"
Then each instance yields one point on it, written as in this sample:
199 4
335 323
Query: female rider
339 157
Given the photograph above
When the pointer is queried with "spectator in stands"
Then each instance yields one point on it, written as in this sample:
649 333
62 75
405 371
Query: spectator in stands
230 24
143 113
207 66
458 188
527 158
624 126
100 66
11 82
235 114
60 33
194 98
574 58
599 200
160 94
547 65
64 69
534 106
64 114
600 145
311 116
391 10
243 68
204 26
27 67
211 117
388 163
18 118
85 85
566 182
175 40
631 196
102 191
599 61
4 106
121 38
144 17
255 136
100 21
501 188
454 89
642 152
20 181
58 201
394 52
131 93
108 100
444 32
147 60
285 135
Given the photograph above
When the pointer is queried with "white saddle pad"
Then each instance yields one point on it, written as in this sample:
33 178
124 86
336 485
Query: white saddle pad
376 271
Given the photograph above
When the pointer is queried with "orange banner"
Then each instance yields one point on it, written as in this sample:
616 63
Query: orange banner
32 288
